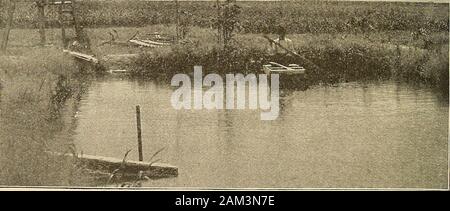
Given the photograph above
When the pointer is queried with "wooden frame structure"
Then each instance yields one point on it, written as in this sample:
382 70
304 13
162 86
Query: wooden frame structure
11 8
64 7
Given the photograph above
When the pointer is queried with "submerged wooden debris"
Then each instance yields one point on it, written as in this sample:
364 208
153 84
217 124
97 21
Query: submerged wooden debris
107 166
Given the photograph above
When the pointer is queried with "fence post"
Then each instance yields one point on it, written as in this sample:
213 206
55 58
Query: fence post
11 9
138 121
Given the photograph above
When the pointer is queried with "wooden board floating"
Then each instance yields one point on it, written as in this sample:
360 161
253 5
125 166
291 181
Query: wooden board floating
109 165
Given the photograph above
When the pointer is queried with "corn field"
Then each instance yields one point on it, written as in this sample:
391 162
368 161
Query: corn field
256 17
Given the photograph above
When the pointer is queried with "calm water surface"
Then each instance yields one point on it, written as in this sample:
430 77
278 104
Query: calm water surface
351 135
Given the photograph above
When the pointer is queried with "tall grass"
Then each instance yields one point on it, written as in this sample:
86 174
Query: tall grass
297 16
34 87
339 58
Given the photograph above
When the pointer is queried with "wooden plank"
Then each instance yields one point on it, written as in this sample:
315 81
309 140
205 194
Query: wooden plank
59 2
285 68
108 164
82 56
278 68
140 43
288 71
276 64
155 43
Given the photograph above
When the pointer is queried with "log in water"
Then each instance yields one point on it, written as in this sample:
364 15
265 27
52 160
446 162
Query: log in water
109 165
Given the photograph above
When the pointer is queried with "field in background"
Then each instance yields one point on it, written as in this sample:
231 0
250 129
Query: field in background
257 17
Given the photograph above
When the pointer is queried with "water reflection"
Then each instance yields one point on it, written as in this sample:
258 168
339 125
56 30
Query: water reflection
382 134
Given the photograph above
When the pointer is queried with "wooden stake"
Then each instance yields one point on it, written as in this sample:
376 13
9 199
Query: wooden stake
138 120
12 8
41 14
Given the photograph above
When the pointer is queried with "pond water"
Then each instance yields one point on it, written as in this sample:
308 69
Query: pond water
353 135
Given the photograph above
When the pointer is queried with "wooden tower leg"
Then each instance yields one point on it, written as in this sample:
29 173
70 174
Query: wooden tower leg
219 31
11 9
177 5
41 14
61 22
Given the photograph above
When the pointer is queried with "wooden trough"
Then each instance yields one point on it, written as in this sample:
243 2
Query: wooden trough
291 69
292 76
109 165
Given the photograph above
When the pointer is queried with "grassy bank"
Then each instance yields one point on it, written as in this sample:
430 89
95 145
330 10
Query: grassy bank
35 87
339 57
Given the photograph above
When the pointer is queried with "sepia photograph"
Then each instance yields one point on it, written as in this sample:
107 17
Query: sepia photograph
224 95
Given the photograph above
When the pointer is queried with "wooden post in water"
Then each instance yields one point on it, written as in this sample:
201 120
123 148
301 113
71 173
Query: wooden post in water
139 132
41 13
11 9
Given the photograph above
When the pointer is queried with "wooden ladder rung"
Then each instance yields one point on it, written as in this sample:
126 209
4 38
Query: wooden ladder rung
59 2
